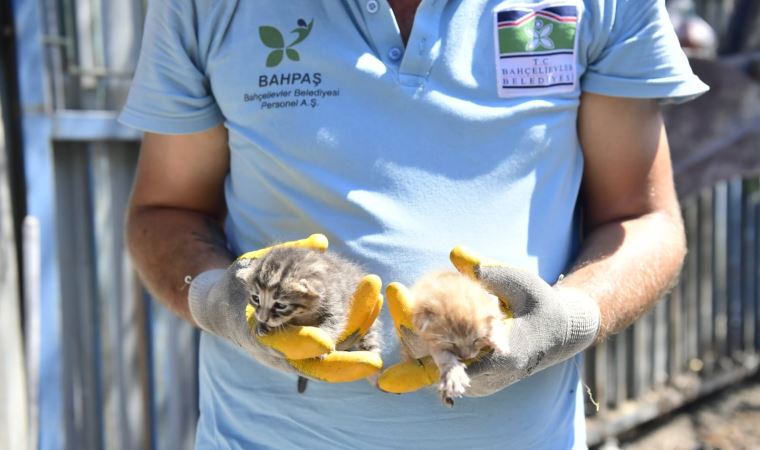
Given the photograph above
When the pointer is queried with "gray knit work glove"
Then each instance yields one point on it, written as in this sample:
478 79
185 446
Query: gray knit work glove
218 301
546 325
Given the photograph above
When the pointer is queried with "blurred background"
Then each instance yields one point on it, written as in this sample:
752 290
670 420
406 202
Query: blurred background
90 362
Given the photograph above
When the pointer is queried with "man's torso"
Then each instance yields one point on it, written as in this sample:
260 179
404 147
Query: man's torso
397 153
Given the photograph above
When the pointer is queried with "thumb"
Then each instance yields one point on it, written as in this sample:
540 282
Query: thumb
514 286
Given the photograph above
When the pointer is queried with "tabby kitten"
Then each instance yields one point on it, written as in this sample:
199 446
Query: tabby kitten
456 319
298 286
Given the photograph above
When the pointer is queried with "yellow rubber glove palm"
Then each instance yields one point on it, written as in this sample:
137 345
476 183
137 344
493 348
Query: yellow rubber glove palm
308 351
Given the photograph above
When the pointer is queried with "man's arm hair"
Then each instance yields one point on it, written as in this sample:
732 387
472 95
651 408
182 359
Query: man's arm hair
634 241
176 211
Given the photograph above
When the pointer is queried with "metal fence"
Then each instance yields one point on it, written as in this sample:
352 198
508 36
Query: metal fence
116 370
126 368
704 335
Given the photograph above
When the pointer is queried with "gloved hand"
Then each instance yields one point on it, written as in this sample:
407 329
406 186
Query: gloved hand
546 325
219 304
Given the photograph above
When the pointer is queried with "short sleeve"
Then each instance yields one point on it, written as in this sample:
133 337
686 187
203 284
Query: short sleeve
640 55
170 92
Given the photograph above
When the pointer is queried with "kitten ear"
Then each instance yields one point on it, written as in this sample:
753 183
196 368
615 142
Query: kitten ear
245 274
310 287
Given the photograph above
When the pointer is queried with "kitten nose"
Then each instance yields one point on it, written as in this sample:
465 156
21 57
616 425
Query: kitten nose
466 354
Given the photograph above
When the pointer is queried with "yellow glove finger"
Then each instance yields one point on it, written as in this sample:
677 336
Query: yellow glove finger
400 308
293 342
365 307
340 367
409 376
314 242
470 264
415 374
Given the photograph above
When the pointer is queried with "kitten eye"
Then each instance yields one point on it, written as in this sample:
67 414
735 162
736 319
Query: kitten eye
255 299
280 306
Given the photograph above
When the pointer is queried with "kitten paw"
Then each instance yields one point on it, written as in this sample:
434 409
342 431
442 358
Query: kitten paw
500 346
454 383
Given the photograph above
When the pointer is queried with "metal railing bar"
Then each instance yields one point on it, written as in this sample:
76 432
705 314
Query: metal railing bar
690 280
82 125
705 294
749 263
100 72
660 343
675 327
734 272
756 276
74 69
720 243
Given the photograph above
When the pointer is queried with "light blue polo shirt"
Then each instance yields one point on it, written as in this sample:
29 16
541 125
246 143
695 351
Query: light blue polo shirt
465 137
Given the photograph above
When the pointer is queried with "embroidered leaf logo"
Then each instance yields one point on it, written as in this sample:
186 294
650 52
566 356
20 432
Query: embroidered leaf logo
272 38
274 58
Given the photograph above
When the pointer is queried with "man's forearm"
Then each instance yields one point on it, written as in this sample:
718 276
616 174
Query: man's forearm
627 266
167 245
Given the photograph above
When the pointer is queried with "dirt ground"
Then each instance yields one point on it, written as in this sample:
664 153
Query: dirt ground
727 420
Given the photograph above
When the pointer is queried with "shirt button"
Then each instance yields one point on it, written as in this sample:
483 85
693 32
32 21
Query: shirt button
372 6
394 54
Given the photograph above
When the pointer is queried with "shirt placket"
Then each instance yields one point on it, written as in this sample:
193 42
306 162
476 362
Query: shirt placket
412 64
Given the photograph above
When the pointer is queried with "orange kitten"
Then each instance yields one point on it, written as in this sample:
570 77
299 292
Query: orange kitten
456 319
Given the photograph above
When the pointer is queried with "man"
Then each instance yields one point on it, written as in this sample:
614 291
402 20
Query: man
401 130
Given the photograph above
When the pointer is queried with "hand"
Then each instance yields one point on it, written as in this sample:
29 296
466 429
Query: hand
546 325
219 304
